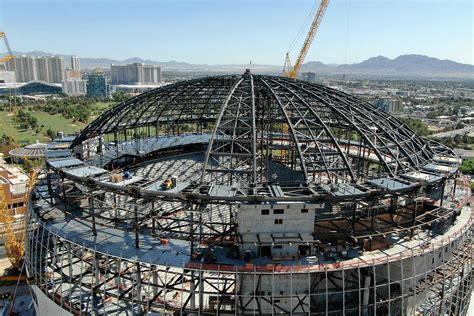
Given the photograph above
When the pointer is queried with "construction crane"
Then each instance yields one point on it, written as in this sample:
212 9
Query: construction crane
292 71
9 55
13 231
14 235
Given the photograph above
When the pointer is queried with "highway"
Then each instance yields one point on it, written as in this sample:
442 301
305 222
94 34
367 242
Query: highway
462 131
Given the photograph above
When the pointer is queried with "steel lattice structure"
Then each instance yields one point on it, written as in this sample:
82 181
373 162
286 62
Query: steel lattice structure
290 197
318 119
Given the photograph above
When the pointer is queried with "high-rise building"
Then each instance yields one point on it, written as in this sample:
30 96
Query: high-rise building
56 69
75 63
151 74
24 68
309 76
42 68
50 69
97 86
135 74
74 87
126 74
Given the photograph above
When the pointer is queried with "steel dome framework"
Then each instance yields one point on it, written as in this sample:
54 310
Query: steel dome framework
246 114
247 149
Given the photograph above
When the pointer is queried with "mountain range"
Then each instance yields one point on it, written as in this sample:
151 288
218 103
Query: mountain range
404 66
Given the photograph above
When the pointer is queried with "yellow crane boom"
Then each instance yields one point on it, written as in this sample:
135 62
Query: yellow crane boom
13 230
292 71
9 55
14 235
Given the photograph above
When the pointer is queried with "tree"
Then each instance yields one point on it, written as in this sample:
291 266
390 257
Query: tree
5 140
467 166
120 96
416 125
51 134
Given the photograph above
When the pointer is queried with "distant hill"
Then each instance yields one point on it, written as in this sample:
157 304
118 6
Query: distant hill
404 66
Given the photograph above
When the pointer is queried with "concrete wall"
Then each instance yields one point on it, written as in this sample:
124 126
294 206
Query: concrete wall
251 220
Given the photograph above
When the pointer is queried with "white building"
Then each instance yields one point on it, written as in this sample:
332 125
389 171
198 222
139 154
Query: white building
7 76
151 74
50 69
56 69
42 68
24 68
75 63
75 87
135 74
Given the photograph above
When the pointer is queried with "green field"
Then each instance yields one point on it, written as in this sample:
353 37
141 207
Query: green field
21 136
103 105
56 122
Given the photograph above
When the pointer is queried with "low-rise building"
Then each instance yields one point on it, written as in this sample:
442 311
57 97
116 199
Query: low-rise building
31 88
7 76
14 184
74 87
390 105
73 74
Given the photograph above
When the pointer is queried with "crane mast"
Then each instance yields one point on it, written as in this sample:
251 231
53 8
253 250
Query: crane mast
13 231
292 71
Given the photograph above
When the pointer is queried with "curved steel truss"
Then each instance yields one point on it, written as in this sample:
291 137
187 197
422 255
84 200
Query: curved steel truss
255 121
287 197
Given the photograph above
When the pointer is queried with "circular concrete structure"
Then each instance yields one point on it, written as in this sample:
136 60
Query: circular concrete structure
32 151
250 195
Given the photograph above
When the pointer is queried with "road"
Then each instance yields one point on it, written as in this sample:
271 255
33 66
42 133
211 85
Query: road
462 131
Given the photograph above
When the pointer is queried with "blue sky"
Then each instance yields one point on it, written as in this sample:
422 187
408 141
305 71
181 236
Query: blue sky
236 31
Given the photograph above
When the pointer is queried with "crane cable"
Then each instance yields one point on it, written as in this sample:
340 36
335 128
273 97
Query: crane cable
347 30
12 304
9 57
14 240
8 132
304 26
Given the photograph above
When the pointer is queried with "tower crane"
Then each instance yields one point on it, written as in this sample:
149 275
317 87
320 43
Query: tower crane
292 71
9 55
12 231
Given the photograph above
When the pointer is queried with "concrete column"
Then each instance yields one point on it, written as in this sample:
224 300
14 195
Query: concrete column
192 291
366 295
201 291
